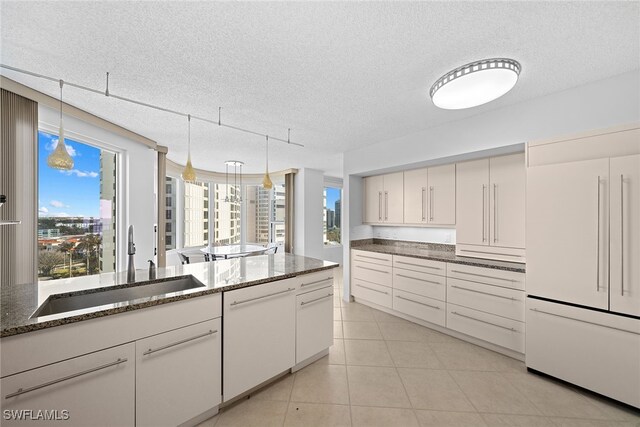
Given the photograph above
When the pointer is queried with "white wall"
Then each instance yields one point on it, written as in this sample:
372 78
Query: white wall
136 186
308 205
596 105
416 234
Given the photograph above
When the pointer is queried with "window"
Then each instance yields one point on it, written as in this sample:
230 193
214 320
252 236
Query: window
196 219
170 213
265 214
227 218
332 215
76 211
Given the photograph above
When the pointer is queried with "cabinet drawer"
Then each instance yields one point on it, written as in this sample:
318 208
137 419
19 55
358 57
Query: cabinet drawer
421 307
490 276
424 284
314 322
421 265
178 374
97 389
494 329
373 273
372 292
372 257
310 282
595 350
490 299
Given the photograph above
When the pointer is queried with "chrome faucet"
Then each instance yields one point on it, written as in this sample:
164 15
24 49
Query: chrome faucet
152 269
131 269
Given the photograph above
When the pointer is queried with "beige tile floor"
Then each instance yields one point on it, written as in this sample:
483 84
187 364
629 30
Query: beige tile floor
385 371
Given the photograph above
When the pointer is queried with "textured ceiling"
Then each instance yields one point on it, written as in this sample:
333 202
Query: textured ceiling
340 75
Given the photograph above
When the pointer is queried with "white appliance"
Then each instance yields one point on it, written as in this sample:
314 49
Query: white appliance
583 261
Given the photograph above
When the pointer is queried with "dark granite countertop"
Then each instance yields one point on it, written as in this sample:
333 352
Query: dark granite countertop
435 252
19 302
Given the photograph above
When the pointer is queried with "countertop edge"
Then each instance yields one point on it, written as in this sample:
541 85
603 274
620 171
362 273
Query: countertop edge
474 262
19 330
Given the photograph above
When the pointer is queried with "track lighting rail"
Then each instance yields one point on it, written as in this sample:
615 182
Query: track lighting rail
110 94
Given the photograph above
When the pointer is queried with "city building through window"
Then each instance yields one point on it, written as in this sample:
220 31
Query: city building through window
332 215
76 211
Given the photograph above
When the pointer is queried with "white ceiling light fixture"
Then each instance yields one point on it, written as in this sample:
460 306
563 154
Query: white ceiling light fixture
236 197
475 83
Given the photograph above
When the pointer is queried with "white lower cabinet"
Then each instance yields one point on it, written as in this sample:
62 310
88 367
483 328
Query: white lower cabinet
259 335
178 374
372 292
595 350
500 301
314 322
498 330
421 307
97 389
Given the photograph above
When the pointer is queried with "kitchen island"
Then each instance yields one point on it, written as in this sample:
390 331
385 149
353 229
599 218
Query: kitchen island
157 360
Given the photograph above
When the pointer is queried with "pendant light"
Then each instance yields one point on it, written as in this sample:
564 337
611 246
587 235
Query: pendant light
237 164
475 83
60 158
188 174
266 181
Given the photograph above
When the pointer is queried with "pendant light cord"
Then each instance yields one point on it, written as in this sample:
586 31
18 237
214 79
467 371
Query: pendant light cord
61 84
189 140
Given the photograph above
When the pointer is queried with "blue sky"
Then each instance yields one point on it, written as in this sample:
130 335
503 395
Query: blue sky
333 194
68 193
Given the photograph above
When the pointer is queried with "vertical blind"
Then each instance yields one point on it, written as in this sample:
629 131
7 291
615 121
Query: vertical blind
18 181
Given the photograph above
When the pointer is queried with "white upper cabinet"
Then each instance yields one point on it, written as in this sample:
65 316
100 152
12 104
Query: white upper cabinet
625 234
384 196
472 195
490 208
429 196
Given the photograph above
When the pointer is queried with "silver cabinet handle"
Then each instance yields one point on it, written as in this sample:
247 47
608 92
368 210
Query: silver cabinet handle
484 222
316 282
598 242
430 203
420 280
386 205
372 269
424 202
68 377
164 347
380 205
482 275
622 235
264 296
584 321
484 321
484 293
372 257
495 213
315 300
418 302
418 265
372 289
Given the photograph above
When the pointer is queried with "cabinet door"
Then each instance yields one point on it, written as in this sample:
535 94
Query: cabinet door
472 207
507 202
393 202
415 196
96 389
259 335
178 374
314 323
442 195
567 232
373 199
625 235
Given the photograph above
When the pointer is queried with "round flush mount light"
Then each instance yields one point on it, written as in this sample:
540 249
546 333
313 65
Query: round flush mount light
475 83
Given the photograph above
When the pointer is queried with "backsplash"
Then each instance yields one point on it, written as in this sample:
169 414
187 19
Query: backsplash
415 234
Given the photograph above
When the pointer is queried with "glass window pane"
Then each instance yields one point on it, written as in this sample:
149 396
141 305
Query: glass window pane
332 215
196 220
76 211
170 213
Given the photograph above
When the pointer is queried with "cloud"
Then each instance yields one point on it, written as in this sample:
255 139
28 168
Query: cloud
70 148
57 204
81 174
43 211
